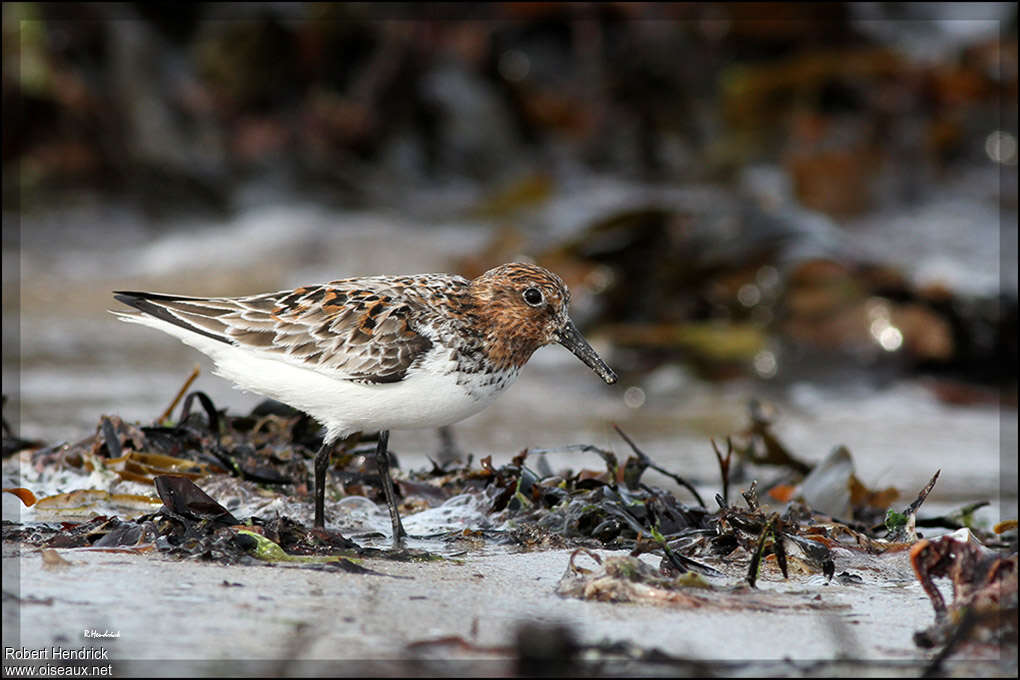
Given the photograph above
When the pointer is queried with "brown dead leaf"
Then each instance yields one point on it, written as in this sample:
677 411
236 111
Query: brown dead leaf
52 561
23 494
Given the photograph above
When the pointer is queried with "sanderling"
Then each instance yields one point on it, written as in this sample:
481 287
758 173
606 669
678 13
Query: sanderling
377 353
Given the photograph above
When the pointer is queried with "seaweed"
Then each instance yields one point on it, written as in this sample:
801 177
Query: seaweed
198 466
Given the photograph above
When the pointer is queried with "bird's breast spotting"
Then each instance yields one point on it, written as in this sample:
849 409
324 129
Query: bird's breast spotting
466 366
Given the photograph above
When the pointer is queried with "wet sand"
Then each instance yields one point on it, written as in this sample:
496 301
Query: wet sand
215 618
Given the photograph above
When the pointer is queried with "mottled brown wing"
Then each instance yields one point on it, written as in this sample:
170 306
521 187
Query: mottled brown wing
356 329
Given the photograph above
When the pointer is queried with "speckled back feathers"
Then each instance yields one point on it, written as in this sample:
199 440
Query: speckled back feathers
378 329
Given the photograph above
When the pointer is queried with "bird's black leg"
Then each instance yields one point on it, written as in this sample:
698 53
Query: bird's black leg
448 451
321 463
382 459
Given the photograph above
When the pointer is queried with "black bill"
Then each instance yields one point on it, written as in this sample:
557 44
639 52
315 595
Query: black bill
571 338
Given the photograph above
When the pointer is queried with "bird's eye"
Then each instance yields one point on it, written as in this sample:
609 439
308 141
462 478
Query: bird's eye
533 296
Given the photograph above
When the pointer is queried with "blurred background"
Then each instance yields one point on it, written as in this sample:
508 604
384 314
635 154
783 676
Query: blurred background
813 205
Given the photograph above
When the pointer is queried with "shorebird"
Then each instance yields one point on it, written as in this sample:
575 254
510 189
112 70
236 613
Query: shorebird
377 353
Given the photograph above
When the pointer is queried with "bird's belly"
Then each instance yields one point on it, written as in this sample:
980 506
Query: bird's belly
420 400
433 396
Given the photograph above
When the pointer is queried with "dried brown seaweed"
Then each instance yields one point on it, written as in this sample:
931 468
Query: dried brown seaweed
984 606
